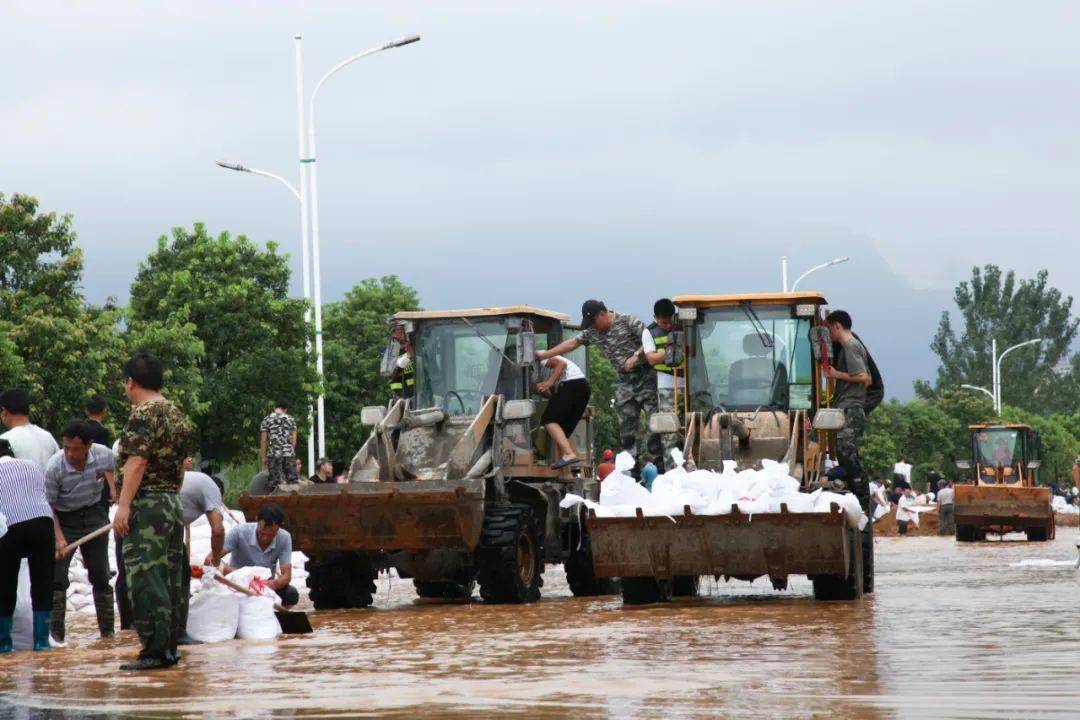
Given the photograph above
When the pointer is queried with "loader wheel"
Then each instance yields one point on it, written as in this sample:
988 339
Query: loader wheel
340 580
868 558
448 589
966 533
581 575
843 587
645 590
685 586
1037 534
509 558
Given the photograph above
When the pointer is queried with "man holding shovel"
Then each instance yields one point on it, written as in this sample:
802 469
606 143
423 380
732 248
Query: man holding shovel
199 495
75 478
149 515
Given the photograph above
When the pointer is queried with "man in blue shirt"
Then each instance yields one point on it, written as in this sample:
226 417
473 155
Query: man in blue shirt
263 544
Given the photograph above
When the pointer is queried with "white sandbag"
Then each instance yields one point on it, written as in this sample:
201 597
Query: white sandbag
881 511
214 614
621 489
847 502
257 619
22 628
245 575
624 462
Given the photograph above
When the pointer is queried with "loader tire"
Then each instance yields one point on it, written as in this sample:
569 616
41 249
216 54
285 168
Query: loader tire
966 533
581 575
448 589
340 580
645 590
843 587
868 558
1037 534
509 558
685 586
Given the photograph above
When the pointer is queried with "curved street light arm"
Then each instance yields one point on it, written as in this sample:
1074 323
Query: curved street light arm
980 389
237 167
997 366
834 261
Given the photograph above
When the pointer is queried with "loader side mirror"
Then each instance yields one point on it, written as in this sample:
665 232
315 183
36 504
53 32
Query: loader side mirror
518 409
372 415
963 464
1034 464
673 352
664 423
388 364
828 419
526 348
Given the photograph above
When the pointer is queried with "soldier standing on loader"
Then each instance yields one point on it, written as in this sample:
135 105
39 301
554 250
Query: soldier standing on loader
618 338
852 375
670 379
403 381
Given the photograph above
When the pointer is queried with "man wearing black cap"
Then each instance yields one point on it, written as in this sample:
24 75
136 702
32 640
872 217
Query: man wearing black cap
618 338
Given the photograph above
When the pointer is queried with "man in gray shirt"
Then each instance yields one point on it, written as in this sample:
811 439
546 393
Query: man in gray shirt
74 478
264 544
851 372
199 495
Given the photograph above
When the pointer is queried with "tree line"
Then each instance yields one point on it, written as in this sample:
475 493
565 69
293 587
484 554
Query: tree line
216 309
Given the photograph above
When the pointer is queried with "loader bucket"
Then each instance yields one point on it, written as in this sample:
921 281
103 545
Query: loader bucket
412 516
737 545
1002 506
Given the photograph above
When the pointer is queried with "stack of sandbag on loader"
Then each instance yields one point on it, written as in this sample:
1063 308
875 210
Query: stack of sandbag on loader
753 492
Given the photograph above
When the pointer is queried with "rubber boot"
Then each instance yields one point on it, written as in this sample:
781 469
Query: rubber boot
5 633
41 630
103 606
59 613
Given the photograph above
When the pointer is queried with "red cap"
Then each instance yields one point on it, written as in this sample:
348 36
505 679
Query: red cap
608 456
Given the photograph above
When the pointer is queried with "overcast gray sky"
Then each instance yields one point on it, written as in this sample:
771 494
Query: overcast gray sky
548 152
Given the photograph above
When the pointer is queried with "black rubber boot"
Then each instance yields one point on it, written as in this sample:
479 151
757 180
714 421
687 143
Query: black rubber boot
148 664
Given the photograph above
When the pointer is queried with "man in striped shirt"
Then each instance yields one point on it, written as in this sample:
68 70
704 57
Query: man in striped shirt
74 478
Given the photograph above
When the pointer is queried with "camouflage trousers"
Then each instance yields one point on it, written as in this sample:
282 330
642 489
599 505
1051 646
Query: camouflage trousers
665 402
282 471
154 564
631 400
848 440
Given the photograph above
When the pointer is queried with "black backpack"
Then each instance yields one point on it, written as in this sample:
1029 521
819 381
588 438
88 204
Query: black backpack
875 393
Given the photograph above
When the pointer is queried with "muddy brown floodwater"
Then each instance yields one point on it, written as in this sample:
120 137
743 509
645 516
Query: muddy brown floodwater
959 631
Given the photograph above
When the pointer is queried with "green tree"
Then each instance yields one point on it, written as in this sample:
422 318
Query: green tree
40 266
235 296
602 399
918 430
356 330
1059 446
993 305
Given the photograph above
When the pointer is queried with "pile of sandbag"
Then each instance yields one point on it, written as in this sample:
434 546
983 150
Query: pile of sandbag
1061 505
218 612
753 492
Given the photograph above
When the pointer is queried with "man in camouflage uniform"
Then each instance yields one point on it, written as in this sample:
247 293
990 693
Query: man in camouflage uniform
149 515
618 338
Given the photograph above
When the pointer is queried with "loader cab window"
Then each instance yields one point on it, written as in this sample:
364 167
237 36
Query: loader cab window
459 364
999 448
744 360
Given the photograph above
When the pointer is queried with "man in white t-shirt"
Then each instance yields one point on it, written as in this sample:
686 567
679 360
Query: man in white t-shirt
904 516
902 469
656 339
28 441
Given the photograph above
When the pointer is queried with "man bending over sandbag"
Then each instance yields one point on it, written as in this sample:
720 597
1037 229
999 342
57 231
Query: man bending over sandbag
262 544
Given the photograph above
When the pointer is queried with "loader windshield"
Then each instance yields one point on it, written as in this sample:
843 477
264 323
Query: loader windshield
999 448
743 360
458 364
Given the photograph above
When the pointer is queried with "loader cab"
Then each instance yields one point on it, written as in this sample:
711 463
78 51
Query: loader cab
463 357
1004 454
748 352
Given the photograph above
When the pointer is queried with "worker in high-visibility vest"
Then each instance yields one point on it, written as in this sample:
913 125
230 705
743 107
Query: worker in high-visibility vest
670 379
403 381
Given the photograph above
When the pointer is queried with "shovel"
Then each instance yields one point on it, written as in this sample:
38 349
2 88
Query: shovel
292 622
87 538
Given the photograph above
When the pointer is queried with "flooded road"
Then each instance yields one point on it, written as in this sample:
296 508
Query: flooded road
953 631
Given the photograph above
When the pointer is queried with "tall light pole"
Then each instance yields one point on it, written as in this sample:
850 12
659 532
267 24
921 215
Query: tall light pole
822 266
299 195
308 160
997 367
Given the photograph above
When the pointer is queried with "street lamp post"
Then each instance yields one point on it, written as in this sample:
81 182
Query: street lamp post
307 160
997 368
299 195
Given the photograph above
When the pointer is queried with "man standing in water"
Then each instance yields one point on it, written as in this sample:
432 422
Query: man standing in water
149 515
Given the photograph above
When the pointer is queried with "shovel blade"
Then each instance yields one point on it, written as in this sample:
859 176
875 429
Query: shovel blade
294 623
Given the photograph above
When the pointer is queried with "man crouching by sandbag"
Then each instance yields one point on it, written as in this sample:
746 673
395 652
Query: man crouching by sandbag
262 544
